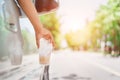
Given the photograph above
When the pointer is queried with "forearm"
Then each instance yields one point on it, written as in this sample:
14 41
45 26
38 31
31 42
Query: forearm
31 13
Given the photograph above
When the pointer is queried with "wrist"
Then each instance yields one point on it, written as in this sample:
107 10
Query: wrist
38 30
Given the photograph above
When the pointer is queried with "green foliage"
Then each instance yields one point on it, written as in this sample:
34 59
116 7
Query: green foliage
72 39
51 22
108 22
78 39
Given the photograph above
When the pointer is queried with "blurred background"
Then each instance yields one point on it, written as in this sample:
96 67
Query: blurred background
79 26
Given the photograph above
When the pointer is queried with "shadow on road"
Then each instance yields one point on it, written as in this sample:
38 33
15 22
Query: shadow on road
72 76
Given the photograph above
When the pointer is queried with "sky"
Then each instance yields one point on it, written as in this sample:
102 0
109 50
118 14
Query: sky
75 13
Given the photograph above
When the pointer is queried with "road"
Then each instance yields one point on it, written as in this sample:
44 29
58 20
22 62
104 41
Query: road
65 65
85 66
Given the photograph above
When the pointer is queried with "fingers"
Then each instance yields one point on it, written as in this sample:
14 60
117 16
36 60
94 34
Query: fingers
47 37
37 42
50 38
44 34
52 41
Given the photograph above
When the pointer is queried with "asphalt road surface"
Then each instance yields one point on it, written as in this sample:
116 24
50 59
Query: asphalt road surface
65 65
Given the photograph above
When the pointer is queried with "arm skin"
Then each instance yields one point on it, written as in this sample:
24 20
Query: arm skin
29 9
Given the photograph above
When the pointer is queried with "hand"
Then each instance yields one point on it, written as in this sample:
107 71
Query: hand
43 33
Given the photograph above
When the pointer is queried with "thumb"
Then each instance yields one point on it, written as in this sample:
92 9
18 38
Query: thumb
37 42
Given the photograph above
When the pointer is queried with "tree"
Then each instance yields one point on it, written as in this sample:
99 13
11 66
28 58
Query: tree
108 21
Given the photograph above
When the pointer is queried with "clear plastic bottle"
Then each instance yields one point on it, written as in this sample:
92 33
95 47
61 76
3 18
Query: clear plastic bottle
45 51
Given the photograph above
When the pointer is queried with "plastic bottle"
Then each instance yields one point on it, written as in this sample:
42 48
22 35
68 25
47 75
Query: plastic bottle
44 58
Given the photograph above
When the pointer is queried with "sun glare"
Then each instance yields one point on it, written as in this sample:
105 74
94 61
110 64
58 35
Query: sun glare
74 13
